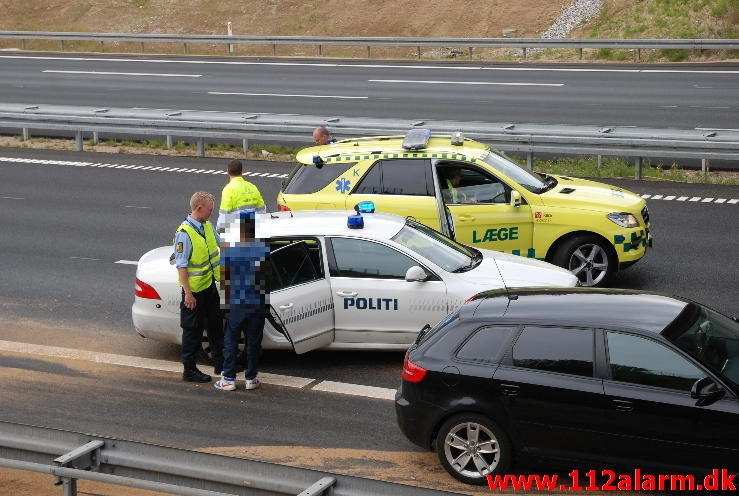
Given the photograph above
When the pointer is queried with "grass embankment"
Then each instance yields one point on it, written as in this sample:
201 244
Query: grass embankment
613 167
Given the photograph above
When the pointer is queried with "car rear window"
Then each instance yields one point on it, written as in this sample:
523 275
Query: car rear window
306 179
487 344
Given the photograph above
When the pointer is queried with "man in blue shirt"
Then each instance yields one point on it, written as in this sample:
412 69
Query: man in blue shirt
196 256
245 296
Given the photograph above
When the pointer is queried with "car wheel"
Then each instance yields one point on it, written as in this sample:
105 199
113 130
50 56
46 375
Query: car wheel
588 258
471 446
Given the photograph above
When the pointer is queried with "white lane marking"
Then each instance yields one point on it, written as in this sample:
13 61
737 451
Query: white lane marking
666 106
706 200
733 201
460 82
645 196
84 258
134 206
714 129
365 66
355 390
341 97
671 197
682 198
13 198
151 364
127 262
657 197
720 200
101 73
131 167
695 199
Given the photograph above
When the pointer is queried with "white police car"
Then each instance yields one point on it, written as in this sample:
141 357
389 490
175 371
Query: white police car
337 284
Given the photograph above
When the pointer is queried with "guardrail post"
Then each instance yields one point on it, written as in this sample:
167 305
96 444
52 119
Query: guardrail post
23 44
274 49
530 160
600 161
78 140
169 142
638 54
469 51
201 147
184 48
102 46
324 487
580 50
95 138
245 144
69 486
26 134
418 52
61 45
637 174
142 47
524 52
320 50
369 52
704 166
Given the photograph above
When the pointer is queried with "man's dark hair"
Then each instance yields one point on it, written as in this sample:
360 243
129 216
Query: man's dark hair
235 168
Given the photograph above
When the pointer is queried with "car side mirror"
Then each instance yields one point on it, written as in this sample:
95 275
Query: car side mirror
515 199
416 274
706 391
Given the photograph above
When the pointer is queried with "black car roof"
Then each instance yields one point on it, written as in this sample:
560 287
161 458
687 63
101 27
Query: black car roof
582 306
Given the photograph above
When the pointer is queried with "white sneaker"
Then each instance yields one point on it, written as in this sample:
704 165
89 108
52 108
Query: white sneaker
253 383
225 385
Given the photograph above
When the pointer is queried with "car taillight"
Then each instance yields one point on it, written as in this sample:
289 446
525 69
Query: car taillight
143 290
412 372
283 208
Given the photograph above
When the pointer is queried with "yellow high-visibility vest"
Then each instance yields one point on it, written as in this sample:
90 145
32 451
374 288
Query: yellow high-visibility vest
203 264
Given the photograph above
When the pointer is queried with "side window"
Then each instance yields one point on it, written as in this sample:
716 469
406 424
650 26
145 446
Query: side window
306 179
360 258
468 185
637 360
487 344
567 351
398 177
293 262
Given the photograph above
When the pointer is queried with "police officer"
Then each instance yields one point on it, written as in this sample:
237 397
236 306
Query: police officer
197 260
236 196
322 136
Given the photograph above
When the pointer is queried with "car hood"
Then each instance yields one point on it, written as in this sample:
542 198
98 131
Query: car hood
517 271
582 193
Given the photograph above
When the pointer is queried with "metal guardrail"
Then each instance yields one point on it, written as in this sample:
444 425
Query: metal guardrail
71 456
370 41
527 138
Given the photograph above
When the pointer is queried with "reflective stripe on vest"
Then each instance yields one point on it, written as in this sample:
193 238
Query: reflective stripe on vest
453 191
203 264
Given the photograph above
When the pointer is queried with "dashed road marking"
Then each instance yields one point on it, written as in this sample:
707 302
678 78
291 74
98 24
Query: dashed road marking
340 97
133 167
682 198
101 73
476 83
127 262
176 367
733 201
13 198
696 199
133 206
671 197
85 258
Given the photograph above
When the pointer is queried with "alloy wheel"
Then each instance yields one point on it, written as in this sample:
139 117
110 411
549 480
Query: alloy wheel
589 262
471 449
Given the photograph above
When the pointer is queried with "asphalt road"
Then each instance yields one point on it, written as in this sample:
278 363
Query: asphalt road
680 96
64 227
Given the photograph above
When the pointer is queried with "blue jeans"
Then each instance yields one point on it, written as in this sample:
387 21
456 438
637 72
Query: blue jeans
248 319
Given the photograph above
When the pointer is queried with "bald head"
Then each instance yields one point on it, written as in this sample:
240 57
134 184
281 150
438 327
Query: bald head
321 136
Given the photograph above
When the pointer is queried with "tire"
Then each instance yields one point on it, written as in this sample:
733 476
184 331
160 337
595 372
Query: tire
588 257
471 446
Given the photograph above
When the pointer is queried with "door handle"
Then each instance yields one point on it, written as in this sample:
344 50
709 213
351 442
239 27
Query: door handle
623 405
346 294
509 390
466 217
285 307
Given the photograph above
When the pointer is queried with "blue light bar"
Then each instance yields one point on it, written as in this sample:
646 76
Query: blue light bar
355 221
365 207
416 139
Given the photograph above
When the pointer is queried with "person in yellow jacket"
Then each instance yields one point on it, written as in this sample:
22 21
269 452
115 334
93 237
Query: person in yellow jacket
236 196
197 258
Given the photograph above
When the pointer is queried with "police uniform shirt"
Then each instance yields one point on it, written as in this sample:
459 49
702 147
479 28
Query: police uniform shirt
183 245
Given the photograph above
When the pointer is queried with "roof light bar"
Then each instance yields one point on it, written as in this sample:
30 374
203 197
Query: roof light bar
416 139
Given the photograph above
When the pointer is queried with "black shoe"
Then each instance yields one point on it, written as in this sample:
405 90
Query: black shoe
195 375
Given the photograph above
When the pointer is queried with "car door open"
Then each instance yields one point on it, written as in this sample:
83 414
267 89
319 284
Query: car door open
300 295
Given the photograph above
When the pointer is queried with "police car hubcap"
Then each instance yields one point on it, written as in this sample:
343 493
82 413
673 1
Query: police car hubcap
589 263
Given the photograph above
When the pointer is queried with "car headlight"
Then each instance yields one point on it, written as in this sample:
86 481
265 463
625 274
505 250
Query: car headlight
623 219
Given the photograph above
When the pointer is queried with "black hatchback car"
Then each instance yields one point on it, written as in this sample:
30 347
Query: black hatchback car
609 377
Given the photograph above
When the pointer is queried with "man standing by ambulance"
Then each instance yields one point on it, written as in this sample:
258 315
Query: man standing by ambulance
236 196
197 258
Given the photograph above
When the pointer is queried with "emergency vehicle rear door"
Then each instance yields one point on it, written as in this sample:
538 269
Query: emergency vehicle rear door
300 295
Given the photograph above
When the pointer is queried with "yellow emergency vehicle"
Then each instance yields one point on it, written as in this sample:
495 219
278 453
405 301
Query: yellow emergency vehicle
463 189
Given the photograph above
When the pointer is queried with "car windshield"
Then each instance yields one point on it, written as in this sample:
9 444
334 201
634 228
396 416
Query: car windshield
529 180
434 246
709 336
